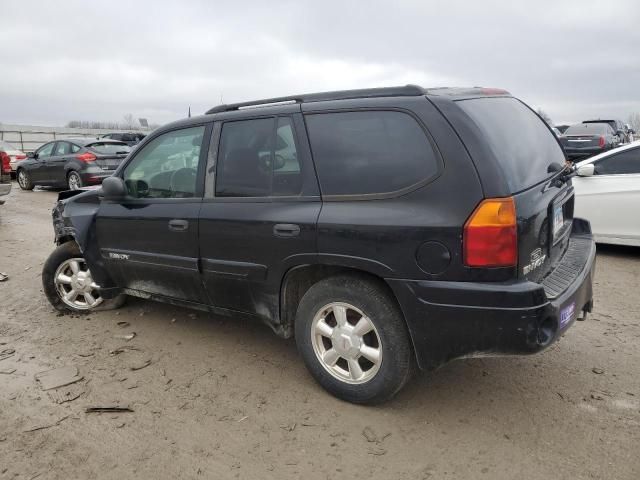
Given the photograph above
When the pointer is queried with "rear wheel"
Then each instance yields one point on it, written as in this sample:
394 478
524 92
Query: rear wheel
74 181
24 180
353 339
69 285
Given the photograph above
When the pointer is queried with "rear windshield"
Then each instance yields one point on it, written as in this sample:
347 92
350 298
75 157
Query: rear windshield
109 148
587 128
519 139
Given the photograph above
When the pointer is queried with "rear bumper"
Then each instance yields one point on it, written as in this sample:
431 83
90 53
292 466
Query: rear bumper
95 176
450 320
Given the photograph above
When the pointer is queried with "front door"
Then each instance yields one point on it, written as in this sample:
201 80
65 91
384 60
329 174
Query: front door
149 241
259 215
38 171
54 165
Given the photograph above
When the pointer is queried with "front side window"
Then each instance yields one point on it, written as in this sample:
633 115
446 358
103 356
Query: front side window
626 162
369 152
45 151
167 166
258 158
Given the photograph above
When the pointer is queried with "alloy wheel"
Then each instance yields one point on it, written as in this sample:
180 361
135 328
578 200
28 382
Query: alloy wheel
75 285
346 343
74 181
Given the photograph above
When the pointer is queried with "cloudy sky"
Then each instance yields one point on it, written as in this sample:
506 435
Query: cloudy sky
63 60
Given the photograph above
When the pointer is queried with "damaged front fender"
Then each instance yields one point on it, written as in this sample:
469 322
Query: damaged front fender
74 219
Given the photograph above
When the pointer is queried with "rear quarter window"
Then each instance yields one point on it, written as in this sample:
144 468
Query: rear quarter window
369 152
520 141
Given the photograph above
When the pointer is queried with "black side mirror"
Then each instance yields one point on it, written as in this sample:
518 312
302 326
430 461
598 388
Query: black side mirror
113 188
32 155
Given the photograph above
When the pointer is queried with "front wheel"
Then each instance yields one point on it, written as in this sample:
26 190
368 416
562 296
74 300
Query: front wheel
353 339
24 180
74 181
68 284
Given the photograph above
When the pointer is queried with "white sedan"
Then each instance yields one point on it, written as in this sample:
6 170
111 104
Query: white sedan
607 190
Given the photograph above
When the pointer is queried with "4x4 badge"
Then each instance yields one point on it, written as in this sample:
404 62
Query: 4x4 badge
537 259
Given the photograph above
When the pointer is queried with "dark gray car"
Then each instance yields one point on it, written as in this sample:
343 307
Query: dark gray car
71 163
586 139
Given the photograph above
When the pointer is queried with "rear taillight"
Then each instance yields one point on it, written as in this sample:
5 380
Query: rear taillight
5 162
601 141
20 157
490 234
86 157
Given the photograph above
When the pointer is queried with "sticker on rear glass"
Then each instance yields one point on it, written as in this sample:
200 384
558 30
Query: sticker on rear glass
566 314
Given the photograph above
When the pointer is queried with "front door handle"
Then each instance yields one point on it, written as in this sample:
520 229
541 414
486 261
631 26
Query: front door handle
178 225
286 230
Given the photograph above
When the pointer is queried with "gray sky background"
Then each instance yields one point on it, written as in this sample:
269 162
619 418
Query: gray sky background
67 60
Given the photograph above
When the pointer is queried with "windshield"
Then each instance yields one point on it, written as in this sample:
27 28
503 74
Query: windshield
519 139
109 148
587 128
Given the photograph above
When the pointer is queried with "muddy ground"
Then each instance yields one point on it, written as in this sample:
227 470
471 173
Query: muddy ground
224 398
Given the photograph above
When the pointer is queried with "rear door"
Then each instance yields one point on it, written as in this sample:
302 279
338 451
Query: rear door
149 241
527 156
258 218
610 199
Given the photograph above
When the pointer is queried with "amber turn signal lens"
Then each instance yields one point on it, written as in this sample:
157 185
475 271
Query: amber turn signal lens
491 235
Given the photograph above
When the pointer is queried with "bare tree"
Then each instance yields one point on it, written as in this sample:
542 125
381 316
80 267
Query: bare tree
545 117
634 121
129 122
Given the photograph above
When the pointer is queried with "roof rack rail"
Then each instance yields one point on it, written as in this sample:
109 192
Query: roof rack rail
404 91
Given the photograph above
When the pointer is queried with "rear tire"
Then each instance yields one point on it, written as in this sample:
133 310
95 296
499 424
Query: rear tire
65 272
24 180
74 181
361 368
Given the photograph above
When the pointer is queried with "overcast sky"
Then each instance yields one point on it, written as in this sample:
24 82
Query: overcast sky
64 60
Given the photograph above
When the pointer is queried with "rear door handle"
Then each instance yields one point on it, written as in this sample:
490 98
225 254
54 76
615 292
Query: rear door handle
286 230
178 225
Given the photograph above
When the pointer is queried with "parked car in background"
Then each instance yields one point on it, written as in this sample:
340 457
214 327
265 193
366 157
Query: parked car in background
379 227
5 175
617 126
607 190
71 163
130 139
584 140
557 132
13 153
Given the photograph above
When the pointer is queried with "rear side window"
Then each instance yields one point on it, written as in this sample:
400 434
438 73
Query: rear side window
258 158
369 152
519 139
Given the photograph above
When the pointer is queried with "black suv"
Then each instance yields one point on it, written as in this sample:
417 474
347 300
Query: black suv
381 227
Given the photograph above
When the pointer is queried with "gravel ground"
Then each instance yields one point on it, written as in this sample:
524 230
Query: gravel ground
223 398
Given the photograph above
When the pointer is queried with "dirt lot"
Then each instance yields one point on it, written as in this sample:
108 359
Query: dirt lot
227 399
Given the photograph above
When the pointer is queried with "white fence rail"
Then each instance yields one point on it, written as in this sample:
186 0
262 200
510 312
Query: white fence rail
29 137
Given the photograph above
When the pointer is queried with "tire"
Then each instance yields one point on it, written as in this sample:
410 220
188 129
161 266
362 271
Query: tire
360 296
24 179
60 263
74 180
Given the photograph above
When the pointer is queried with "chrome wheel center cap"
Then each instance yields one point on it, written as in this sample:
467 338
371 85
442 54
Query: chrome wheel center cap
346 343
